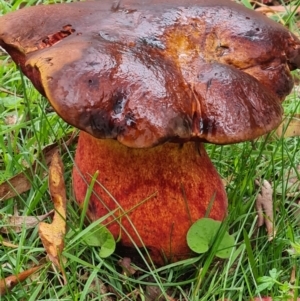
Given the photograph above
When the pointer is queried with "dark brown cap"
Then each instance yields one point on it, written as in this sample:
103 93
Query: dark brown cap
145 73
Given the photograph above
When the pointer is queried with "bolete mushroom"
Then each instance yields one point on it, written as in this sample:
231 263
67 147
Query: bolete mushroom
148 82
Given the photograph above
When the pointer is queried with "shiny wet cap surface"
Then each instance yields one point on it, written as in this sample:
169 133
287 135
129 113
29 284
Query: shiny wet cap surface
147 73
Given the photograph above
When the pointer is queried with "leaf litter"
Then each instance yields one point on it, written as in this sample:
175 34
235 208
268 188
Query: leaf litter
264 207
290 127
8 283
16 223
22 182
52 235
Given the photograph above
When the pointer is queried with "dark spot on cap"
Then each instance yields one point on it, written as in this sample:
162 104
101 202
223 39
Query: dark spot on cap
130 119
119 100
153 42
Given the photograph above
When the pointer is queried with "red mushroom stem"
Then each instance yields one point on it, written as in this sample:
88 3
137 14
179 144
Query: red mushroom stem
181 179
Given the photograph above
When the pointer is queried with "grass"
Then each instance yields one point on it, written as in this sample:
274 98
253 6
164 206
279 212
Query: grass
256 267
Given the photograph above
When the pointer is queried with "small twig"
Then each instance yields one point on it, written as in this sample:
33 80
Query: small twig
10 92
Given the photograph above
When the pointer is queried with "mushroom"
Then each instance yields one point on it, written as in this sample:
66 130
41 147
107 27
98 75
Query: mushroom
148 83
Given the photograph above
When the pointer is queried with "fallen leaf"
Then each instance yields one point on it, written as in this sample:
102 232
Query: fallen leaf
270 11
8 283
293 275
292 282
290 127
16 223
297 211
11 119
154 293
292 177
15 186
276 9
52 235
97 287
22 182
125 264
264 207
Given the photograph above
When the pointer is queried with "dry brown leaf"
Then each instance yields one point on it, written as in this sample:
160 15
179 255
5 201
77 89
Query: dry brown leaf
21 182
52 235
154 293
297 211
292 180
264 208
292 177
16 223
290 127
14 186
125 263
293 279
276 9
96 286
7 284
11 119
269 12
293 275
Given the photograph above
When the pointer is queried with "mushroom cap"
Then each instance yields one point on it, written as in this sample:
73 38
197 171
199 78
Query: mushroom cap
156 71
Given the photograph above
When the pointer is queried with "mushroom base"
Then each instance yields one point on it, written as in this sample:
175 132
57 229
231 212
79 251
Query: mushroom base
159 192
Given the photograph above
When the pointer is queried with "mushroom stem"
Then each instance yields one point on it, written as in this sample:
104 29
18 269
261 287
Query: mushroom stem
159 192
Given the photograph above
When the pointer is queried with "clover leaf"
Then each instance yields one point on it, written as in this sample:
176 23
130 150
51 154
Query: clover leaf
202 234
